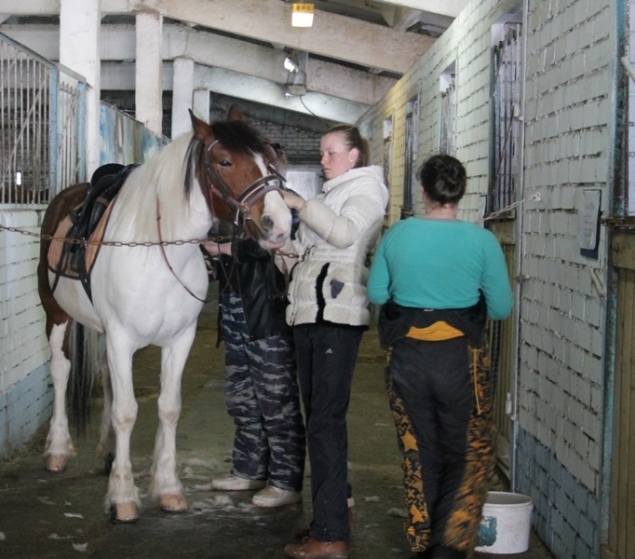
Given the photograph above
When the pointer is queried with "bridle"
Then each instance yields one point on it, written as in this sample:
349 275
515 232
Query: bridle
240 205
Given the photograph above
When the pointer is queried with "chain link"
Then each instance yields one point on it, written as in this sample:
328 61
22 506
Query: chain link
111 243
535 197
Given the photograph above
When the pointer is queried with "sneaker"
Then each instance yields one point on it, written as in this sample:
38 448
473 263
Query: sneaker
230 482
272 496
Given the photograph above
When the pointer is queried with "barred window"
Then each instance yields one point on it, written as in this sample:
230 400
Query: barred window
506 126
410 169
447 136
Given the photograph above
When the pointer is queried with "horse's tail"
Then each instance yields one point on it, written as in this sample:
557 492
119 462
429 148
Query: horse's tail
85 364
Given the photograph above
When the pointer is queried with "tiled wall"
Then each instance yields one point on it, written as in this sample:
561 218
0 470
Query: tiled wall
25 395
568 124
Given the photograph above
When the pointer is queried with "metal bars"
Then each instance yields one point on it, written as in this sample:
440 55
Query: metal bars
506 126
41 126
447 142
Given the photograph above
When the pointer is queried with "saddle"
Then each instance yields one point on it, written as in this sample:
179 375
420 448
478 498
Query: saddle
86 222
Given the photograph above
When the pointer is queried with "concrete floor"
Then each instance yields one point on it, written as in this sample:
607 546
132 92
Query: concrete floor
43 515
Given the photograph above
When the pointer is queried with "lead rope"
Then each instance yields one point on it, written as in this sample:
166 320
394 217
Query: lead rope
165 256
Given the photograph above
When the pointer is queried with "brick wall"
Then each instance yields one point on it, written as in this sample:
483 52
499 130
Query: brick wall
25 395
561 315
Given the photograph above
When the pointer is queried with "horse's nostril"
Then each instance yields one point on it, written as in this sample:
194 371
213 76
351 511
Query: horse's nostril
267 223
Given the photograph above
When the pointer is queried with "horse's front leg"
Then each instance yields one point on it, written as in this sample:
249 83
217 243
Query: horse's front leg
58 441
123 496
165 482
105 448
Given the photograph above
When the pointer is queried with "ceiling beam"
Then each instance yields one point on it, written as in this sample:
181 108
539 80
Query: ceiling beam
451 8
117 43
121 77
332 36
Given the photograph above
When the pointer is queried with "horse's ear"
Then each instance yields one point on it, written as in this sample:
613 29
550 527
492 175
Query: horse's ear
235 113
202 130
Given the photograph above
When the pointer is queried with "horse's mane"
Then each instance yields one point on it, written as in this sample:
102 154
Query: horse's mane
160 178
170 176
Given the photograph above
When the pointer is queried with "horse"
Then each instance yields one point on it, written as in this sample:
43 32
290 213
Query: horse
147 286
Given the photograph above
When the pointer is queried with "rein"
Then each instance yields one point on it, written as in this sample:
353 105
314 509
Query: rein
165 257
240 205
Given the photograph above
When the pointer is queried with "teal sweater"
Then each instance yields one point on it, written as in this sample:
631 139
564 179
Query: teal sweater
440 264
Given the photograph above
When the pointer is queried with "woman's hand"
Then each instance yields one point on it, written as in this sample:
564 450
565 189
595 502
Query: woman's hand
292 200
218 248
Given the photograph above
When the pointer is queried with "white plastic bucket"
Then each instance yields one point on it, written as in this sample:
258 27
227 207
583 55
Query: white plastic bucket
506 523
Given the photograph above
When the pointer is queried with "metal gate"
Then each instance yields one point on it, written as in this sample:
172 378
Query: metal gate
41 126
504 172
621 536
502 344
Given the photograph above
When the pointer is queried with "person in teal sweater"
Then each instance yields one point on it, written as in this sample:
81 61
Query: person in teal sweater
438 278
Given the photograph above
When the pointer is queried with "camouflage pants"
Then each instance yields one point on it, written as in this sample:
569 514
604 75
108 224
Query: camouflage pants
454 524
262 396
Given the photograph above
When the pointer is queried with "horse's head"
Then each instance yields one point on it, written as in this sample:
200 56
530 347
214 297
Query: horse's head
235 170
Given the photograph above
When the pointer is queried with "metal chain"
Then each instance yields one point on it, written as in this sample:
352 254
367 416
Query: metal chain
535 197
111 243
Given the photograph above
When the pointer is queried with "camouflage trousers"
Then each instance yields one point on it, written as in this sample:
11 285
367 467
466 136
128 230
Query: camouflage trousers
448 512
262 396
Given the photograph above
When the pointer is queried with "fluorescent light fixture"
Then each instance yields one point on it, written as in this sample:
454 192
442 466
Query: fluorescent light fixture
302 15
18 178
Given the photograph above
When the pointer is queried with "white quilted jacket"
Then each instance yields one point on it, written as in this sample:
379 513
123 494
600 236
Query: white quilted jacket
338 227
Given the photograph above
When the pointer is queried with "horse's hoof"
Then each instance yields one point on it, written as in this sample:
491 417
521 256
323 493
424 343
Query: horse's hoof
123 513
108 461
56 463
173 502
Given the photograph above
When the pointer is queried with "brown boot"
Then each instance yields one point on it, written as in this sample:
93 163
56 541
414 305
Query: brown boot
302 533
313 549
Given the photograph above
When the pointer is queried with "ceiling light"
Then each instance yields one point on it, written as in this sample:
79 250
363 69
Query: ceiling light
302 15
290 65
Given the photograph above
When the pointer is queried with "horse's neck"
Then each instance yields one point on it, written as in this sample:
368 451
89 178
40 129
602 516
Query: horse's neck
153 206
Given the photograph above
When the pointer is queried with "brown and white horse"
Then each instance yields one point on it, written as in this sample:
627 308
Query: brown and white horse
152 294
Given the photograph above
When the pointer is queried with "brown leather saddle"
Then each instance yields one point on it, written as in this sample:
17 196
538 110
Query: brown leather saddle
87 222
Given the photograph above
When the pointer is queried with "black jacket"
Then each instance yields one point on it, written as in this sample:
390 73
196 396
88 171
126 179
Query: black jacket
252 274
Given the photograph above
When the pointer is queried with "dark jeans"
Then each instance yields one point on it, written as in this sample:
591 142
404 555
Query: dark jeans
433 381
326 356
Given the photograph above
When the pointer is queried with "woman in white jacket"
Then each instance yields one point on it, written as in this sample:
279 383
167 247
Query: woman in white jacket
328 309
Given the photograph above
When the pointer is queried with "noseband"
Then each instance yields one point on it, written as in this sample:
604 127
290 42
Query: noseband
241 205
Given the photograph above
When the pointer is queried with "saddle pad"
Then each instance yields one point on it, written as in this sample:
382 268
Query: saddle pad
58 257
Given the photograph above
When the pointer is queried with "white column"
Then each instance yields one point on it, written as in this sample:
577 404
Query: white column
201 104
79 50
149 70
182 95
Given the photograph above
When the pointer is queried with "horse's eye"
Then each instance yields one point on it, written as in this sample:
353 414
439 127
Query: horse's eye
224 163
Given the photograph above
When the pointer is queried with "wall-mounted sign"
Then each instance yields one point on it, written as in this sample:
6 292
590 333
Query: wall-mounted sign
589 225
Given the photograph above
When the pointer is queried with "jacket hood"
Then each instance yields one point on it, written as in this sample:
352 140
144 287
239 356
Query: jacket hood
374 171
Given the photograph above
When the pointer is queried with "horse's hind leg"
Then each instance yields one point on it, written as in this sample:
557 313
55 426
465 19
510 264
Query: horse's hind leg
105 448
165 482
58 442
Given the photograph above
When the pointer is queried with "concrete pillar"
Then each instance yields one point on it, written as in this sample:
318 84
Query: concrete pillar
182 95
149 70
79 50
201 104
